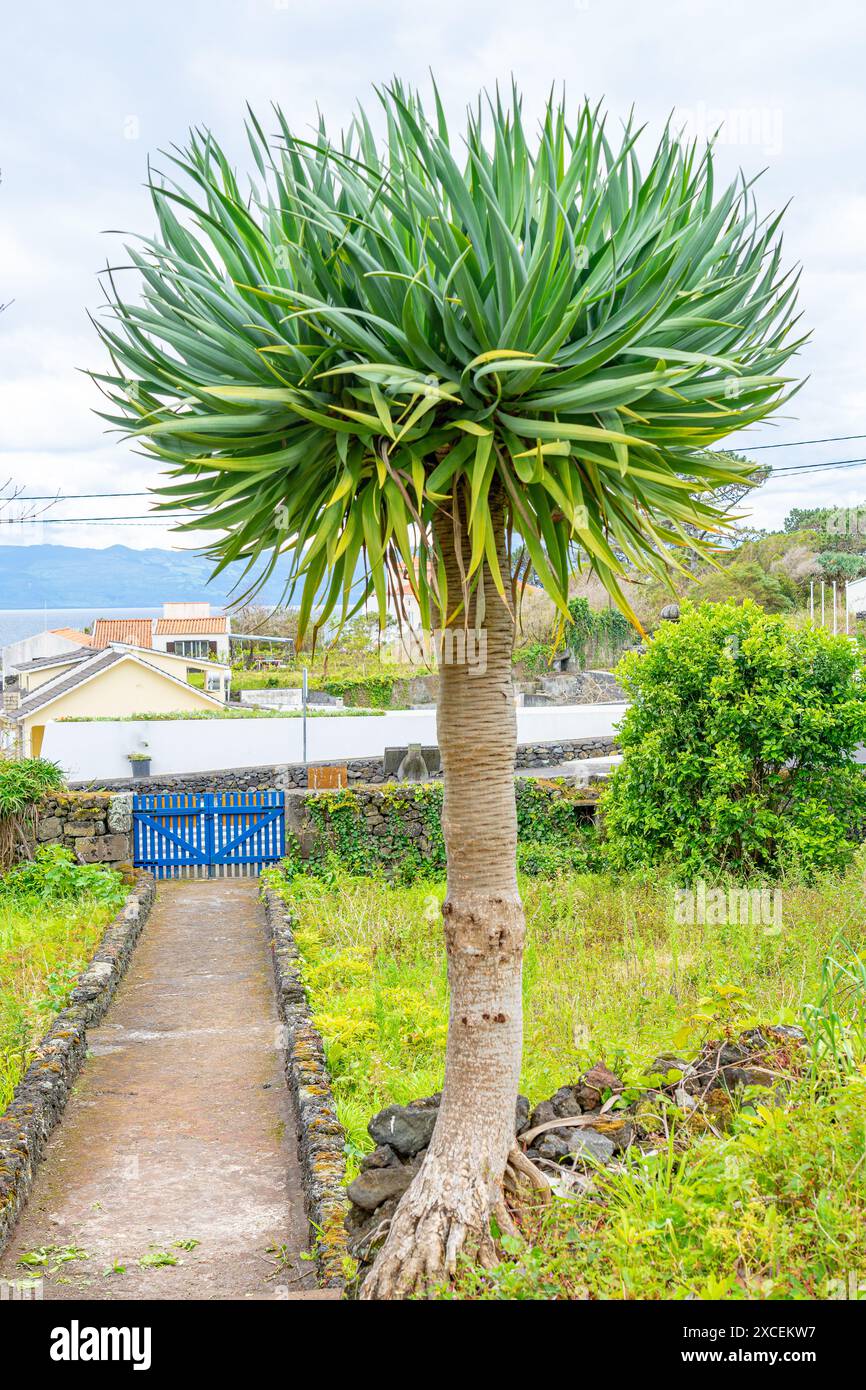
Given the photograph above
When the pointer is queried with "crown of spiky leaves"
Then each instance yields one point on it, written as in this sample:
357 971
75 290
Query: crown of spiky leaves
376 329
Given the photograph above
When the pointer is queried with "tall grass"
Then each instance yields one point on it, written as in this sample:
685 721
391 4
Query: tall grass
43 949
775 1208
608 973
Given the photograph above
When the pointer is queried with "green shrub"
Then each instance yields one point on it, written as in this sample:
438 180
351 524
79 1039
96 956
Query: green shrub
54 875
544 859
378 686
535 658
738 748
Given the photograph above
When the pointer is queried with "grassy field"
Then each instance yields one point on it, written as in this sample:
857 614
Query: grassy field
774 1208
43 948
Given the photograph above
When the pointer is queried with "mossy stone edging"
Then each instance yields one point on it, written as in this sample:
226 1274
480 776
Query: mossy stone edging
42 1093
321 1138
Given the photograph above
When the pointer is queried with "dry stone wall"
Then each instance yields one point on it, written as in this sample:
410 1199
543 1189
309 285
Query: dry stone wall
96 826
362 771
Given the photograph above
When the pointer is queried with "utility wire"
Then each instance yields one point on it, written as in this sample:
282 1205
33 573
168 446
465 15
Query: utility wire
149 518
815 468
800 443
78 496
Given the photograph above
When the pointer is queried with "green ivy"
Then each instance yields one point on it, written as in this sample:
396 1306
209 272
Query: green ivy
377 692
601 630
552 830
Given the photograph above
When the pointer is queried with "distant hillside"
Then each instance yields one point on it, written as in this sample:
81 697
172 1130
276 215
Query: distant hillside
66 576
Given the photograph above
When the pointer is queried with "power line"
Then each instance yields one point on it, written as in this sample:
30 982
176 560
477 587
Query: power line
149 520
815 468
75 496
800 443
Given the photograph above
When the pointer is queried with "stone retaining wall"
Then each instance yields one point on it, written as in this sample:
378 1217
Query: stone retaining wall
41 1095
96 825
572 688
285 776
565 751
321 1138
399 820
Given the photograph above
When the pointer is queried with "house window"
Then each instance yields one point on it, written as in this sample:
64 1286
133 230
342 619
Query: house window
199 650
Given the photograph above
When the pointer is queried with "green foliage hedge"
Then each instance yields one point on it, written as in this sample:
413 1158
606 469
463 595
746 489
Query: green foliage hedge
738 748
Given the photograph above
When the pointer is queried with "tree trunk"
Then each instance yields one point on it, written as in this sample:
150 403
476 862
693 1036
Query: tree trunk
449 1206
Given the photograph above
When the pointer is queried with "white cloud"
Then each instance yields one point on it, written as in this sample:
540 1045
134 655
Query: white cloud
75 76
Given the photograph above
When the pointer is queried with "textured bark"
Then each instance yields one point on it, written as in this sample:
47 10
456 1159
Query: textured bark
460 1184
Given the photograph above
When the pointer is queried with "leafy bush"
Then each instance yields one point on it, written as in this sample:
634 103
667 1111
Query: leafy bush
54 875
380 685
593 635
738 748
535 657
747 579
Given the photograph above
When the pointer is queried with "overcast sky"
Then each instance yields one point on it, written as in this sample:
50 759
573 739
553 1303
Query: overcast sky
89 90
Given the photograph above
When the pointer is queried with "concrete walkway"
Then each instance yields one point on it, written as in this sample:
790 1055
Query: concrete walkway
180 1126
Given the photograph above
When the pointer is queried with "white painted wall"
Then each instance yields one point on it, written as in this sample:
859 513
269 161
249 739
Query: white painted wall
34 648
100 750
856 596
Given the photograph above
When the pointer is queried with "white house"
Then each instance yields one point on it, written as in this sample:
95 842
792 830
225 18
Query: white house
190 629
185 629
56 641
857 597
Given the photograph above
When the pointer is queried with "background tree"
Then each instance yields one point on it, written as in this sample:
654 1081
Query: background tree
451 353
840 565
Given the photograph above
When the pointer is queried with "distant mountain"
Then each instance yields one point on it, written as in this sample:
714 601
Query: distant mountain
66 576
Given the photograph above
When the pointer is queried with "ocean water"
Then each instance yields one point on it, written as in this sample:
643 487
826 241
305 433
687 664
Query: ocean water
16 623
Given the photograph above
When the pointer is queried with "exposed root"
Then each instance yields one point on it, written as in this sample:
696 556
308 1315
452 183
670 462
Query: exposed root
445 1214
524 1179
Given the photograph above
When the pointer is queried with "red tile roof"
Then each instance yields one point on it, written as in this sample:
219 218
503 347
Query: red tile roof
136 632
195 627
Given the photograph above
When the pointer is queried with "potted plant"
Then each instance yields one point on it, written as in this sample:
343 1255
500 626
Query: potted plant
140 764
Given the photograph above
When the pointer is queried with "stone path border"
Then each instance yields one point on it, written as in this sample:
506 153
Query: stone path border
41 1094
321 1137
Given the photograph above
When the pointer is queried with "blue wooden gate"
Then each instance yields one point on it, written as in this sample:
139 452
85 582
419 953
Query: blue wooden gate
208 834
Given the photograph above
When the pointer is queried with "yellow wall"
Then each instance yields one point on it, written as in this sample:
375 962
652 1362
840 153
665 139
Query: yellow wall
126 688
177 666
31 680
180 666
